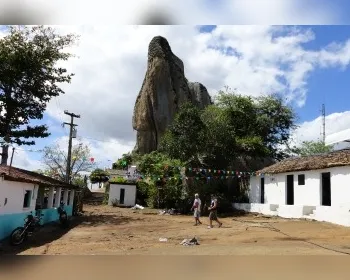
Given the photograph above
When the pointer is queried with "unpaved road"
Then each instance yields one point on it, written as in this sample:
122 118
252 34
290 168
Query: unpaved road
106 230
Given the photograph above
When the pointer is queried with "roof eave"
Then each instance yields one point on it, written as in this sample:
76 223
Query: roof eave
42 184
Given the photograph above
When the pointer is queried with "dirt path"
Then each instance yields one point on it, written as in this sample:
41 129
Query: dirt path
106 230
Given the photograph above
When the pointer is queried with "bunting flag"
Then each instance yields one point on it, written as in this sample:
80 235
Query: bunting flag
166 178
209 170
206 177
196 173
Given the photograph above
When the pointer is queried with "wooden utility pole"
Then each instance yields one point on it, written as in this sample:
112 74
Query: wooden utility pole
13 151
71 128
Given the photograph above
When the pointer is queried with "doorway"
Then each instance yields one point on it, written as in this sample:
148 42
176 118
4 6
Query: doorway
122 196
290 190
326 189
262 190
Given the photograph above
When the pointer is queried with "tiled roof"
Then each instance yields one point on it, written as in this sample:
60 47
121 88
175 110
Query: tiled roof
22 175
313 162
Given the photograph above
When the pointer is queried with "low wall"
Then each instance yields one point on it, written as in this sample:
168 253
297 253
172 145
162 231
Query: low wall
295 211
266 209
335 215
9 222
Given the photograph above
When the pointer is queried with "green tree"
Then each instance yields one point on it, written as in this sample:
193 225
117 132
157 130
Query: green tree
163 177
123 162
55 161
261 125
29 78
234 127
99 176
275 123
184 139
308 148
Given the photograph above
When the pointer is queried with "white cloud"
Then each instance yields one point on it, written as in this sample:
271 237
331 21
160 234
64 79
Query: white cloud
22 159
311 130
112 62
103 153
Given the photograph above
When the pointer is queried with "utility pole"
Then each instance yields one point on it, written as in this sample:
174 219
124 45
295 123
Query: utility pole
13 151
71 129
323 124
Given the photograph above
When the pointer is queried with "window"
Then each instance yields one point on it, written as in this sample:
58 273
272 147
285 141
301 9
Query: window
301 179
27 199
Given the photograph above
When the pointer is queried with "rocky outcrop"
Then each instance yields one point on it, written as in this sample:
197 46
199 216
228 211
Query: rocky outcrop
199 94
164 89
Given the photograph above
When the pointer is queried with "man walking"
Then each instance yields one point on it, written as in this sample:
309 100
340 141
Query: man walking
197 209
213 215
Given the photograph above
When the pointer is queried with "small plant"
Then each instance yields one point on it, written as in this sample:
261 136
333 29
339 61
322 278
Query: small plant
105 199
115 202
118 180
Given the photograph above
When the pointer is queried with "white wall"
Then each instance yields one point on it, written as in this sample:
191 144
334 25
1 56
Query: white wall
308 194
14 192
130 194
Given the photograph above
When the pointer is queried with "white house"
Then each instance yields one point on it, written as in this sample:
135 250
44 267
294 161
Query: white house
23 192
124 193
313 187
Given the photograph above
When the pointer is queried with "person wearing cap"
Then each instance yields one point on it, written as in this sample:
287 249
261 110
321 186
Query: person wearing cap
197 209
213 215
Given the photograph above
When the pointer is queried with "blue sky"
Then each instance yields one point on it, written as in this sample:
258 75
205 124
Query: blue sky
329 85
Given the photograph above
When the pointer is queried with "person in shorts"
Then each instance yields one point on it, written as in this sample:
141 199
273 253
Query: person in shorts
213 215
197 209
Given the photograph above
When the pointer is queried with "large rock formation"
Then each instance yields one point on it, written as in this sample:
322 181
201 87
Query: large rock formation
164 89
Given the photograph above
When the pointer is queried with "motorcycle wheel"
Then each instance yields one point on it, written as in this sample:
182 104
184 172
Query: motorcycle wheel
17 238
64 221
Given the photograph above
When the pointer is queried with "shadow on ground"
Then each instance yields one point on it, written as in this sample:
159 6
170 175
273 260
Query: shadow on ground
45 235
52 232
94 220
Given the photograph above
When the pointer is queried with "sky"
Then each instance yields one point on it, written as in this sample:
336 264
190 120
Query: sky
308 65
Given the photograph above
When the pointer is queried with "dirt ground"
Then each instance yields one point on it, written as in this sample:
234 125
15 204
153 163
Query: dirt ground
104 230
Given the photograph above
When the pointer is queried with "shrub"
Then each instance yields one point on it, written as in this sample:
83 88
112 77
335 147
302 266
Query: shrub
115 202
118 180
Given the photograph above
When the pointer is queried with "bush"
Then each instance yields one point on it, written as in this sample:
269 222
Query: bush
115 202
106 196
118 180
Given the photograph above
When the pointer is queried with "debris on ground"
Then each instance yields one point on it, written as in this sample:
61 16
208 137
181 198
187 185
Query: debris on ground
138 207
171 211
189 242
163 239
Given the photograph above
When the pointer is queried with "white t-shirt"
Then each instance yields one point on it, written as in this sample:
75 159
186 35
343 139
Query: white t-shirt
197 200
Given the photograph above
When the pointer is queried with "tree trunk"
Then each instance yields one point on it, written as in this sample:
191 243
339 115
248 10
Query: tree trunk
4 155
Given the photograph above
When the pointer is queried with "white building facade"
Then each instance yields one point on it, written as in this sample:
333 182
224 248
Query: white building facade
23 193
320 194
125 194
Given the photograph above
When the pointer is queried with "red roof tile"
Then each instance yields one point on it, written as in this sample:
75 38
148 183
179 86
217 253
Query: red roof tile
22 175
